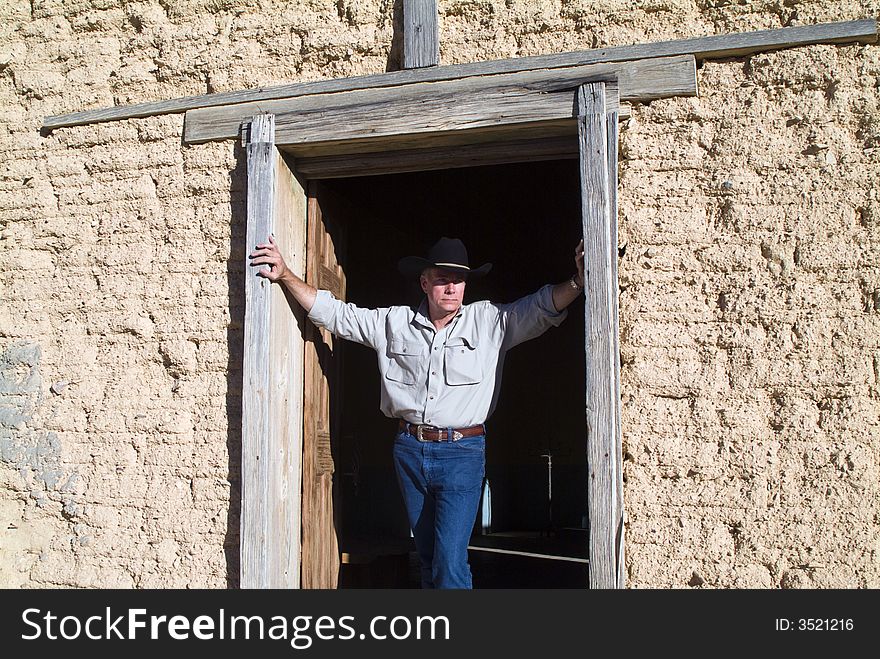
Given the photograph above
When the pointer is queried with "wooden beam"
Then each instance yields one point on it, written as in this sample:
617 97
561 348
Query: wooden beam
602 404
448 106
710 47
444 157
612 128
421 34
256 389
558 142
272 376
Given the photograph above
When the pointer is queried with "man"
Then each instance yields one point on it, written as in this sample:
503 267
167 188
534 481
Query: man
441 372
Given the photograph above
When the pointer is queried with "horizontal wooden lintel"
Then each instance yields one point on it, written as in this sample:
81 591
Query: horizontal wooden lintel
386 119
561 147
702 48
547 140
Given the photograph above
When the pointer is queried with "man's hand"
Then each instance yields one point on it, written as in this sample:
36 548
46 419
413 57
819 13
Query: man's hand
269 254
579 262
564 293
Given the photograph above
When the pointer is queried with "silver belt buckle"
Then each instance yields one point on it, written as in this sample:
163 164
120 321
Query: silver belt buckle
420 436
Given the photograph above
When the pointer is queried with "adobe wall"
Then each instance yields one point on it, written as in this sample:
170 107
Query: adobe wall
750 285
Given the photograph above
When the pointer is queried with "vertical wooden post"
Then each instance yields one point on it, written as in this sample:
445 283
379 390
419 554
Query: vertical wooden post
612 121
600 315
421 34
272 374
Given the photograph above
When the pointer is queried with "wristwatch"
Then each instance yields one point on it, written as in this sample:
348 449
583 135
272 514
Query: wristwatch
574 284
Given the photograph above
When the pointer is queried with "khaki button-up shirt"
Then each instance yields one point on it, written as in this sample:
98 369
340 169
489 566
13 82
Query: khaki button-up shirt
448 378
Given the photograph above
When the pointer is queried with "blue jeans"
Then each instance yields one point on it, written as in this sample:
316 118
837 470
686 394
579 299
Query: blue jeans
441 483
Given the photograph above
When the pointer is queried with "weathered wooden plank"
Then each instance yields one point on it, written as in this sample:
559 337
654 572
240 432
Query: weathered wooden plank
709 47
421 34
452 105
320 548
598 329
445 106
452 138
467 105
558 141
272 382
612 127
256 385
417 160
286 381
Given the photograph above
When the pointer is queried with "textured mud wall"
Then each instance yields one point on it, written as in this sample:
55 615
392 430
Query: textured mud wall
750 286
750 325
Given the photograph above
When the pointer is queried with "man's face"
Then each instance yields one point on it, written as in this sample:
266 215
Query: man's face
444 290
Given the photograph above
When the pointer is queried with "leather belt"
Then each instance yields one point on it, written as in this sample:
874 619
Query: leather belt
425 433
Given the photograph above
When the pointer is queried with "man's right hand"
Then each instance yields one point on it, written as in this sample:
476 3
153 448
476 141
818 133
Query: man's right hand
269 254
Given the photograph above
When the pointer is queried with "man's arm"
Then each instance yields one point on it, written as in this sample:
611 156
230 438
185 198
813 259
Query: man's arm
269 254
564 293
346 321
532 315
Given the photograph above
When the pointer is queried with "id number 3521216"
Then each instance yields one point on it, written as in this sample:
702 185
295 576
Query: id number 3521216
814 624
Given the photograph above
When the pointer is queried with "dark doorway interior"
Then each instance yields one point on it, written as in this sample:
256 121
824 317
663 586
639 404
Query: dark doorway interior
525 219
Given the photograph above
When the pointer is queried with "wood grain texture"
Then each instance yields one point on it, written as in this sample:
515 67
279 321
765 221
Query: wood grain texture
421 34
272 376
419 160
256 392
286 381
602 398
708 47
556 141
320 545
612 128
440 107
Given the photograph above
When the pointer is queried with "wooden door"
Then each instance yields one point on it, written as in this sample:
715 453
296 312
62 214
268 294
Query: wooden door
320 548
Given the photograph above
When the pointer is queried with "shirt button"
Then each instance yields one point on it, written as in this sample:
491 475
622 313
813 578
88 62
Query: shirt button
433 372
431 397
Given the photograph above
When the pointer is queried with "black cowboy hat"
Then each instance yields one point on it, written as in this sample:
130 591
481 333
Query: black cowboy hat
446 253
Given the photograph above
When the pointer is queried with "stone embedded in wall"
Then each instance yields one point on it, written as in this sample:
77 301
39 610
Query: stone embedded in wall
35 455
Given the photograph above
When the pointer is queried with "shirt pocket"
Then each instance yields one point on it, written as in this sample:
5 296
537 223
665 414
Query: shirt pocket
461 362
403 361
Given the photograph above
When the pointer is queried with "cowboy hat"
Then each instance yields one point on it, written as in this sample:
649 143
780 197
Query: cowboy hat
446 253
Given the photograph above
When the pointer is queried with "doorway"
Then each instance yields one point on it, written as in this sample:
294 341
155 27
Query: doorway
525 218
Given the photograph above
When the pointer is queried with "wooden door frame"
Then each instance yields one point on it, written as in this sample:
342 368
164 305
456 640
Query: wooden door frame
595 112
272 386
597 145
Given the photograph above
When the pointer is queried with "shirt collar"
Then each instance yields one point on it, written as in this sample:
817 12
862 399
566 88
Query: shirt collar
421 317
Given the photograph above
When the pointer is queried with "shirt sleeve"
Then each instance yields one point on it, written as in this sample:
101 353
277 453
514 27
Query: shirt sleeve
529 317
346 320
